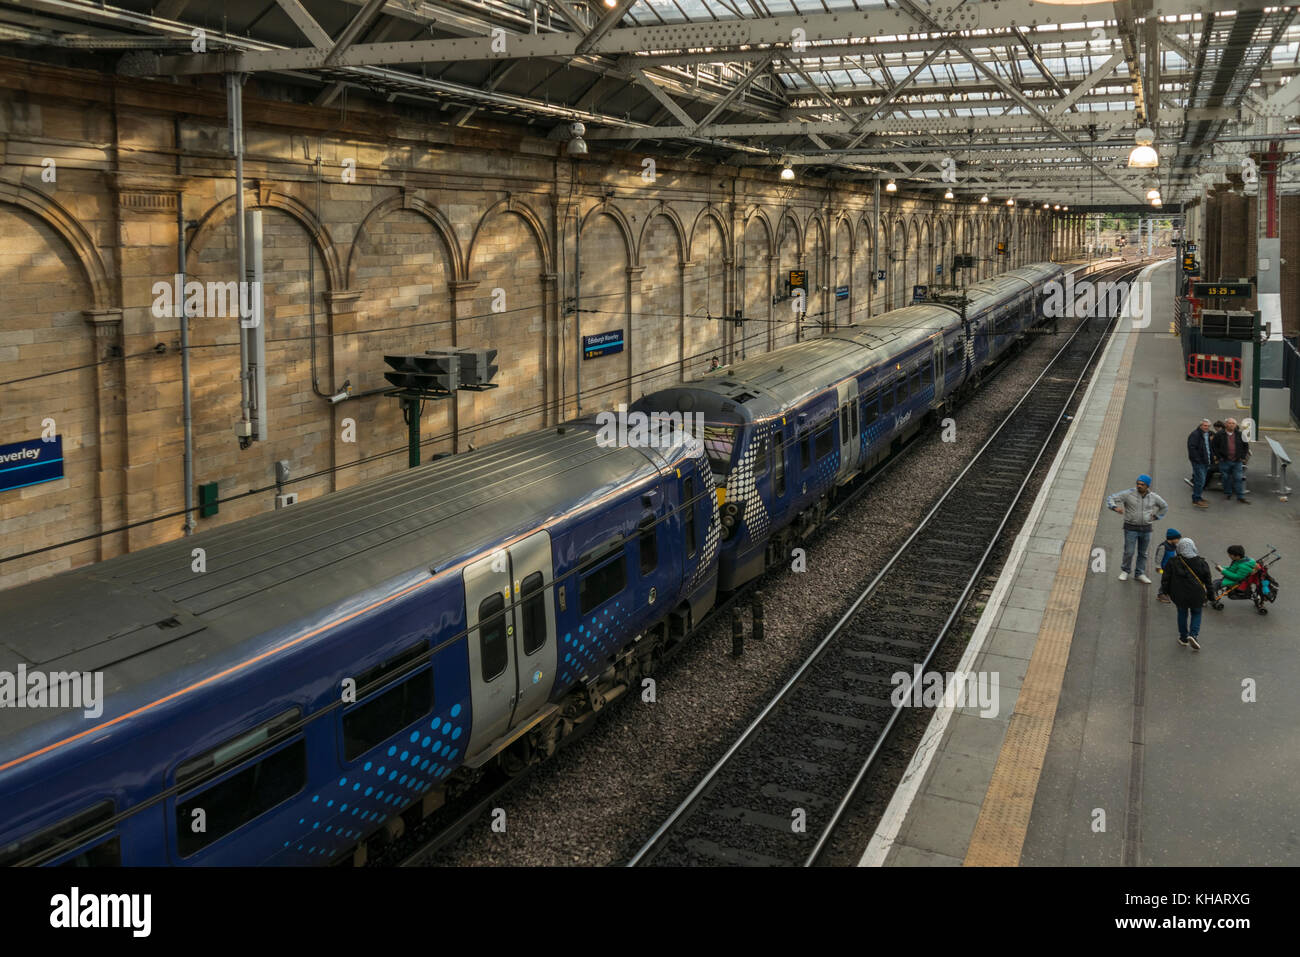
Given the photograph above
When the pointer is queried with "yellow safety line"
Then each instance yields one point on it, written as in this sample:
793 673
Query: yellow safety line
999 835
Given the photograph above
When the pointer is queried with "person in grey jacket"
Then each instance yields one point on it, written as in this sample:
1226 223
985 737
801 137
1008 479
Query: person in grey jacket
1140 507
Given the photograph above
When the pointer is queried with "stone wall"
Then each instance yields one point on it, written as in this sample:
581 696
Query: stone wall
407 235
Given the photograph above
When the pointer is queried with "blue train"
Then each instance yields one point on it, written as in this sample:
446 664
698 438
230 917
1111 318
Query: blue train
286 688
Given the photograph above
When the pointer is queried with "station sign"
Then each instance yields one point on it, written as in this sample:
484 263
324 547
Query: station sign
841 292
1191 247
602 344
938 269
1190 264
30 463
1002 249
1233 290
963 261
919 293
798 279
880 275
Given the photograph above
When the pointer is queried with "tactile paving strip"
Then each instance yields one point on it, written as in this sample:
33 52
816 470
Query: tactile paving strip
999 835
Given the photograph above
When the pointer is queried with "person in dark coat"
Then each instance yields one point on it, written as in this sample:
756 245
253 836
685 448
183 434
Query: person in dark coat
1200 454
1232 450
1190 588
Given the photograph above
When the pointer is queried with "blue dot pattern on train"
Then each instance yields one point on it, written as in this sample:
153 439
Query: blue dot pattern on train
427 754
597 635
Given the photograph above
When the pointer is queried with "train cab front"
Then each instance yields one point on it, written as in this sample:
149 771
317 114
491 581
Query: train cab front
725 429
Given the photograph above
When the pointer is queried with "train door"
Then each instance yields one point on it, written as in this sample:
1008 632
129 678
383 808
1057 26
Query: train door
534 644
850 446
490 627
936 353
510 621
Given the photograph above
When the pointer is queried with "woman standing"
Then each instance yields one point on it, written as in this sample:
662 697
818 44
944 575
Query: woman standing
1190 588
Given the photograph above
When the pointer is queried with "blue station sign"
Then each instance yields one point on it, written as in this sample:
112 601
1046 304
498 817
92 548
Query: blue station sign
919 293
30 463
841 292
602 344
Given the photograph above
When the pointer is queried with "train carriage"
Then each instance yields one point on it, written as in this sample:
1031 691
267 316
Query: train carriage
313 672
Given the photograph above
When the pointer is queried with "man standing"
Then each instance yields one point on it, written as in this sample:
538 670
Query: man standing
1233 451
713 363
1200 453
1140 507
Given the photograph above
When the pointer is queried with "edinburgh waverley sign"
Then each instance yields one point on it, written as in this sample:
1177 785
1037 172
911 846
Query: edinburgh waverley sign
30 463
602 344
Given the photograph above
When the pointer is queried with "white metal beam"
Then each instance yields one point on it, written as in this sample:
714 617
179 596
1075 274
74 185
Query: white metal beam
718 35
305 22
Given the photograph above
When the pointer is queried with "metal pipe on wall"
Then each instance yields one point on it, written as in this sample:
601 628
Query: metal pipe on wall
183 316
235 109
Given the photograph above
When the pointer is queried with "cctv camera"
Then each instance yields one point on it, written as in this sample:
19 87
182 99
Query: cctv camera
345 394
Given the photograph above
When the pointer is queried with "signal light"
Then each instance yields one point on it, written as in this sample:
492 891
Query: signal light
428 374
476 368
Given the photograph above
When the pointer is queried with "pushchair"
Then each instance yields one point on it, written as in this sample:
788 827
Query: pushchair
1259 586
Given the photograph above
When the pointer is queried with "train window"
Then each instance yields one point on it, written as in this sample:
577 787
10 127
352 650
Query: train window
886 399
532 613
825 441
688 508
601 583
648 539
805 452
844 424
250 792
763 456
719 446
778 463
927 375
870 408
53 842
916 381
378 716
492 651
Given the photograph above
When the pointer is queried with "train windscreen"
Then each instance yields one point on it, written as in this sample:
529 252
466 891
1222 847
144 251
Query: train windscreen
720 446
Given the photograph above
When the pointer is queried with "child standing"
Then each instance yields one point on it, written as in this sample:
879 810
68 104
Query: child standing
1164 552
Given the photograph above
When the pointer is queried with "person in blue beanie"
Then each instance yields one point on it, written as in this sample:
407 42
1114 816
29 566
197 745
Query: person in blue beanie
1164 552
1140 507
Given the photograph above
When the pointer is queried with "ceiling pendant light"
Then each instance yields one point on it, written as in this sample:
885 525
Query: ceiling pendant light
1011 201
947 193
1153 193
1056 207
787 171
890 187
984 198
1144 155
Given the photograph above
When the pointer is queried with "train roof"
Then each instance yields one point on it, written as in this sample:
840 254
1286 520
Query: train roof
126 616
770 383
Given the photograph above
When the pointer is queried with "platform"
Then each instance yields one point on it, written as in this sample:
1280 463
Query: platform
1112 743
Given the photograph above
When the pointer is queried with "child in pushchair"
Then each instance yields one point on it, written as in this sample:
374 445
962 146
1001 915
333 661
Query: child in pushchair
1246 579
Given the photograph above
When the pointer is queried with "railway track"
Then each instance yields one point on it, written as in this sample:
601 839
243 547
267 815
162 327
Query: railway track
421 846
777 795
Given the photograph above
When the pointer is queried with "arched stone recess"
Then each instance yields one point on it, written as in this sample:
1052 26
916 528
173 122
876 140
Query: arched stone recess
525 212
674 222
864 277
705 216
501 305
297 253
407 200
913 259
925 270
72 233
48 278
789 255
842 310
657 324
403 272
267 198
755 284
897 262
816 261
704 333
